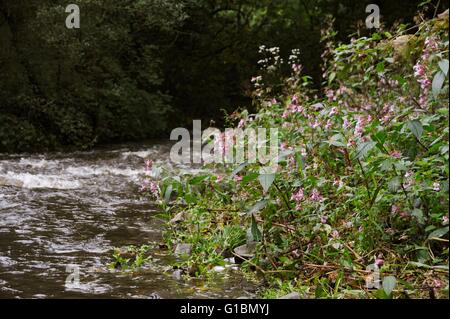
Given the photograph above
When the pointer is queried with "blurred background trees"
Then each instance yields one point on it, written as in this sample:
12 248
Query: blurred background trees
136 69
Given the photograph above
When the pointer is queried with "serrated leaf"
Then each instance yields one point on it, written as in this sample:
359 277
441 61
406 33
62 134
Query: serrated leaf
258 206
443 64
386 165
438 81
416 128
418 213
394 184
389 284
364 148
266 181
337 140
438 233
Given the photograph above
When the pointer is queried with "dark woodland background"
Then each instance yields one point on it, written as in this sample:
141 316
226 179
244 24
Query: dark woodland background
136 69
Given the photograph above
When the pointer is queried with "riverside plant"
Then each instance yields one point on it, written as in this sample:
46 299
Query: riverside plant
362 177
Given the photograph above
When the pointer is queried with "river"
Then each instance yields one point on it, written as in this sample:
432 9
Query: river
72 209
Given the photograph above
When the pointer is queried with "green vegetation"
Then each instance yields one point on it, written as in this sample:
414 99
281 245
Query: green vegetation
362 178
135 69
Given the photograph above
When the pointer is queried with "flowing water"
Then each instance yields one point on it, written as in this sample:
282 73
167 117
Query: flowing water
64 213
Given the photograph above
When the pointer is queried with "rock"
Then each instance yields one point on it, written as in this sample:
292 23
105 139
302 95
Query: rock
178 218
183 249
443 15
246 251
218 268
230 260
154 295
292 295
401 46
177 274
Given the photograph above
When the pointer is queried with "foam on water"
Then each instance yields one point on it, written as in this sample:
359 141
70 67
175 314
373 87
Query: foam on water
27 180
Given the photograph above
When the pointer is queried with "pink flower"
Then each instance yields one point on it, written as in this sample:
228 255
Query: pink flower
296 68
359 128
346 123
335 234
241 123
219 178
314 124
445 220
148 165
351 143
395 209
298 196
329 125
333 111
315 195
323 219
330 95
154 189
144 185
237 178
396 154
378 261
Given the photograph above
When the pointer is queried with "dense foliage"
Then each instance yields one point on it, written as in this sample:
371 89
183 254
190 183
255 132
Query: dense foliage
137 68
363 176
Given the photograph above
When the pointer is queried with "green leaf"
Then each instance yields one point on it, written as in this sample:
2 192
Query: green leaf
416 128
332 77
380 67
249 177
266 181
389 284
438 81
258 206
418 213
364 148
337 140
443 64
438 233
255 230
168 192
198 179
394 184
239 168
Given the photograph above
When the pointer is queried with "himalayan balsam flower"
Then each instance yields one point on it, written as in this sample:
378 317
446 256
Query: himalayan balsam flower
445 220
335 234
333 111
346 123
378 261
298 196
395 209
148 165
396 154
315 195
359 128
323 219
